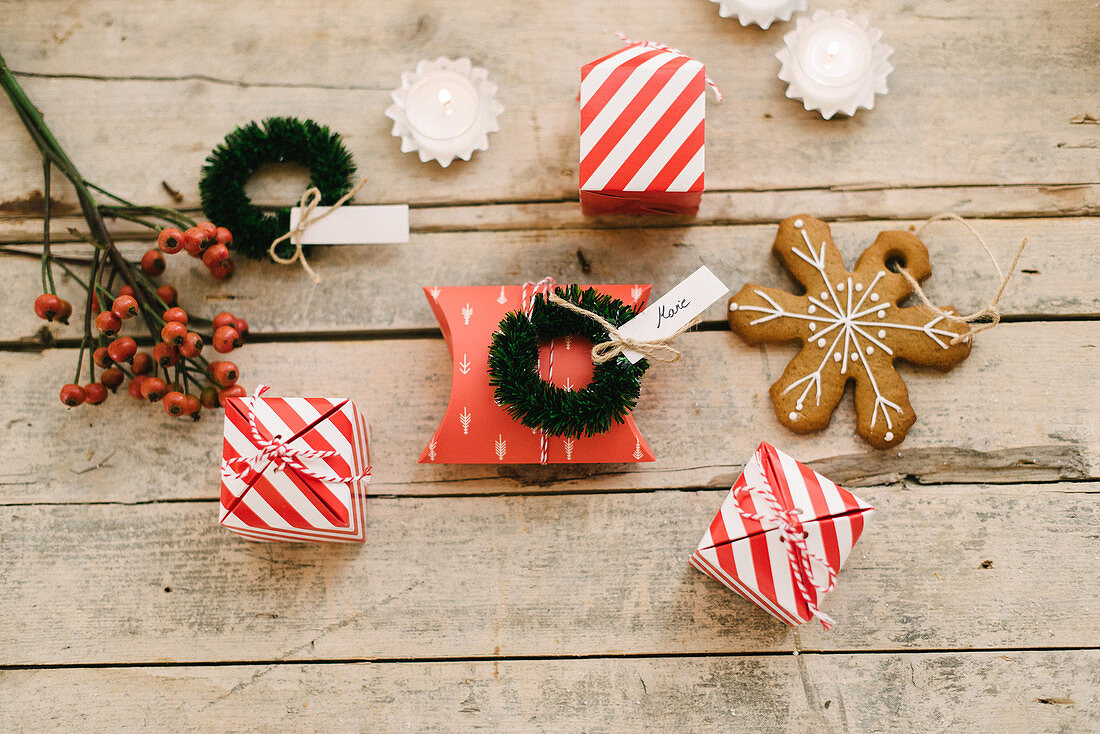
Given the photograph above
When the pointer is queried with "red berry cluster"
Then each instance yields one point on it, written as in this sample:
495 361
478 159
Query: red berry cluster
176 365
205 241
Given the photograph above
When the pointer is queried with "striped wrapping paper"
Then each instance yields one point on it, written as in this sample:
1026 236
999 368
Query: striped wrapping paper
279 503
642 117
752 558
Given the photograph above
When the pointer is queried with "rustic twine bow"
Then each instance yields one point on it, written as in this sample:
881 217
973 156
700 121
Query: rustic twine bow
276 451
664 47
656 349
530 290
793 537
310 200
988 310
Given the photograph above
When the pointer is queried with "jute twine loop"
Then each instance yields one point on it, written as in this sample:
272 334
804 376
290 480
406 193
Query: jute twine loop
659 350
309 201
990 309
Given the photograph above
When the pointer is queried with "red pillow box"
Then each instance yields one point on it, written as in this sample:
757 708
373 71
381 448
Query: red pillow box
475 430
781 536
295 469
642 118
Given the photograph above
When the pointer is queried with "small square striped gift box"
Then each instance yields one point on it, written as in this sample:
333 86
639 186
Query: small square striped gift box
781 535
295 469
642 113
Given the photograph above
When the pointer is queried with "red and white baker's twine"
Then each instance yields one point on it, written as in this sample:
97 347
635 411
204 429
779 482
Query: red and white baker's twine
530 290
276 451
664 47
798 553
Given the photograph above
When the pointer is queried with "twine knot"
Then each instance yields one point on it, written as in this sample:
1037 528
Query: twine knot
310 200
799 555
660 350
990 309
276 451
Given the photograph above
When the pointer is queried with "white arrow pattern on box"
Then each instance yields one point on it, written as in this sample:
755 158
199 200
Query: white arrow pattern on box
502 299
636 293
501 447
568 341
464 365
431 450
467 312
637 450
435 293
568 443
464 419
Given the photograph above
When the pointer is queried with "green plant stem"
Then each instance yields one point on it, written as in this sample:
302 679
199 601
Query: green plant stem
47 272
129 211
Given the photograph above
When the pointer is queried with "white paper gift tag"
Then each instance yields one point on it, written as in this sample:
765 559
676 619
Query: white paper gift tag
671 311
354 224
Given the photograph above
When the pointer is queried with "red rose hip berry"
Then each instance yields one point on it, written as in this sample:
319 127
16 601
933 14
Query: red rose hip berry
153 388
175 314
224 319
47 306
95 393
215 256
166 355
152 263
233 391
64 312
226 339
122 349
111 378
168 294
125 307
173 333
108 323
134 388
101 358
170 241
72 395
175 403
191 346
224 373
143 363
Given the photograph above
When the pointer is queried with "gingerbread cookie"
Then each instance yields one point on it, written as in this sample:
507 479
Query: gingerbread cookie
851 328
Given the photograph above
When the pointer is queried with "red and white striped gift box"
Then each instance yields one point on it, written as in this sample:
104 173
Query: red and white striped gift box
781 535
642 116
277 488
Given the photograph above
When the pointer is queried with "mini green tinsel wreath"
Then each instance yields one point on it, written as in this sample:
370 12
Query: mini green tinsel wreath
540 405
275 140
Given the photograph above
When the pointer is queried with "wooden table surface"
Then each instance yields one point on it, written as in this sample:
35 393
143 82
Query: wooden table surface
518 598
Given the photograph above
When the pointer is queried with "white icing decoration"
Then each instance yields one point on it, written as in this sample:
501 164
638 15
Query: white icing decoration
859 287
733 306
889 436
845 315
792 415
813 326
798 223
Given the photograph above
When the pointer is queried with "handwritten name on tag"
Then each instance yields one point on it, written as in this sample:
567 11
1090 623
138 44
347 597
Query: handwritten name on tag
674 309
356 225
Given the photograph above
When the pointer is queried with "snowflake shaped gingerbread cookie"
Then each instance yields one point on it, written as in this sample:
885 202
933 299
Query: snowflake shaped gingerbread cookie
851 328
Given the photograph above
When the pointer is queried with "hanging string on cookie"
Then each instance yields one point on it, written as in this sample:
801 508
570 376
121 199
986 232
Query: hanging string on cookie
989 315
310 200
660 350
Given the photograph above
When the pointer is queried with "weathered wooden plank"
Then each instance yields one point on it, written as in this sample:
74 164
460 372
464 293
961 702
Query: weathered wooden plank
1021 408
377 288
534 575
1011 692
717 208
167 109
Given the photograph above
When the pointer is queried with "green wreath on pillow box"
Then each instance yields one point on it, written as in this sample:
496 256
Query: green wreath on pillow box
538 404
275 140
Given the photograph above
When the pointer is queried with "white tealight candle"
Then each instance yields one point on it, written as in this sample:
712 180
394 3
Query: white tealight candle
444 110
442 105
834 63
761 12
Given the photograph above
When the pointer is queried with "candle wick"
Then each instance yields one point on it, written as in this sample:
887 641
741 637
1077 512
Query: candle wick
830 53
447 100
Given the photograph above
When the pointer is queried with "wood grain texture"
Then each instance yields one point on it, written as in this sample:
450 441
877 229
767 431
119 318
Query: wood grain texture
111 88
1015 692
360 293
535 576
1021 408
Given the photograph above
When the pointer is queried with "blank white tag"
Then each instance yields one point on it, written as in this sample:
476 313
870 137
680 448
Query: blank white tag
671 311
356 225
